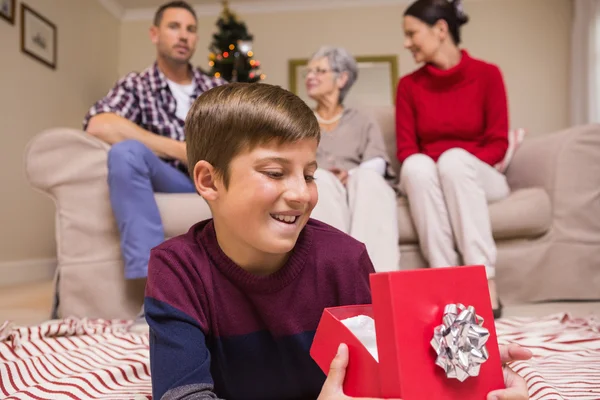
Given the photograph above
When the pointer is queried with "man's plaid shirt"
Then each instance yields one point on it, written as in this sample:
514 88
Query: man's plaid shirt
145 99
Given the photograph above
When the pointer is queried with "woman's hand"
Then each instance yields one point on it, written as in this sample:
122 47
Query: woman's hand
516 387
341 174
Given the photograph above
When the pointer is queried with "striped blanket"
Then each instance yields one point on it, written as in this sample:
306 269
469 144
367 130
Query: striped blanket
74 359
97 359
566 362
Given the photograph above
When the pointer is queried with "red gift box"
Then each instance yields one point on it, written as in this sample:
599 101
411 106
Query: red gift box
407 306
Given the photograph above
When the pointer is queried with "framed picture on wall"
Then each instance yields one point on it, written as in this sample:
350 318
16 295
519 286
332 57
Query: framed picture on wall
8 10
38 36
375 86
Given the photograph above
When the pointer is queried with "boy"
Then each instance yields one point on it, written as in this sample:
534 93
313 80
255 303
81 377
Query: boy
233 304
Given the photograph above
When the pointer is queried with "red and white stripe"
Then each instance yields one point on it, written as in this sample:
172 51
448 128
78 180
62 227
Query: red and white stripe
74 359
97 359
566 355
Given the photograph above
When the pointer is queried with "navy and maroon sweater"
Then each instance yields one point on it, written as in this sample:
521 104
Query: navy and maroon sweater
218 331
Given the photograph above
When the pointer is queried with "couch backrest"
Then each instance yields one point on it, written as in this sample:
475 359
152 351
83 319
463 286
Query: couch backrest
386 117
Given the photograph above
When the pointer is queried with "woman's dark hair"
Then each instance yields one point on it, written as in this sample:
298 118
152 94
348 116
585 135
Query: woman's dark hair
431 11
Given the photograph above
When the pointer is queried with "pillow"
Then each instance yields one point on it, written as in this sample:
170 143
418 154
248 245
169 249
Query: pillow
515 138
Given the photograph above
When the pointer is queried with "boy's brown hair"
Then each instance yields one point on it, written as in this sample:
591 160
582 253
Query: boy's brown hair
231 118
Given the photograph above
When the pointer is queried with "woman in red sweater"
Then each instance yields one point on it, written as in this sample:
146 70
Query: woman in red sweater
452 128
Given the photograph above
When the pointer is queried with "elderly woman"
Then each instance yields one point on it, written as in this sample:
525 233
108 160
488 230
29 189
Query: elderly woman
354 176
452 128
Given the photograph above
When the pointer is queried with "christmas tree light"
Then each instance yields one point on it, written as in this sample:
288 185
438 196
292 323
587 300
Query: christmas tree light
231 50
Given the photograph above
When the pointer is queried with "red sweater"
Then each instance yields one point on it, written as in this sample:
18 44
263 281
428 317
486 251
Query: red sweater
463 107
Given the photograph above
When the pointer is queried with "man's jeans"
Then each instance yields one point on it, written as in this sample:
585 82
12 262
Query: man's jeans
135 173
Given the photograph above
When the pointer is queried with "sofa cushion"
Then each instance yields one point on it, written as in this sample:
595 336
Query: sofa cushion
515 138
179 211
386 118
523 214
526 213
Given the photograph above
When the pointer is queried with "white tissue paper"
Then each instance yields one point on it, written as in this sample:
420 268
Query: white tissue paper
363 327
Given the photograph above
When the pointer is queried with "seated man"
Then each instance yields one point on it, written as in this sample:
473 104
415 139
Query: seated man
233 304
142 117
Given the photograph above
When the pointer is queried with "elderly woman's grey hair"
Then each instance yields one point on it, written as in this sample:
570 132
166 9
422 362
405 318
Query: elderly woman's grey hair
339 61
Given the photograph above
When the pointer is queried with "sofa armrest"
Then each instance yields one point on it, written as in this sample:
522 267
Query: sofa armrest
70 166
566 164
60 156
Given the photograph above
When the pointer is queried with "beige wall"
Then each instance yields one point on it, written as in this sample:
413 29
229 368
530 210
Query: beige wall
528 39
34 97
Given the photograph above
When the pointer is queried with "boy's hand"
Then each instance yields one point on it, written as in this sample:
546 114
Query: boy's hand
516 387
514 352
333 386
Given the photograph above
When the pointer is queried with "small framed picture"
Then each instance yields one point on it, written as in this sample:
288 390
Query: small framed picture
8 10
38 36
376 87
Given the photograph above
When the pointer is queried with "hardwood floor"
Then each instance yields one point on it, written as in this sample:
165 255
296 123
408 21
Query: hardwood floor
27 304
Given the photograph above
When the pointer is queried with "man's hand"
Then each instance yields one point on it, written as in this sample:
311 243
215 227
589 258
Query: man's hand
516 387
341 174
112 128
106 128
333 386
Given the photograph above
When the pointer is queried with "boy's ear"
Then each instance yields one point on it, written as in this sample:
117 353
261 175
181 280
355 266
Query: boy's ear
205 180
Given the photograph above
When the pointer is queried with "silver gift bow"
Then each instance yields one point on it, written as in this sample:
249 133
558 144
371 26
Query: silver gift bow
460 342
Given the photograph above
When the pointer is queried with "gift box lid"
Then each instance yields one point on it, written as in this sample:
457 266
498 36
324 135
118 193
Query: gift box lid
362 372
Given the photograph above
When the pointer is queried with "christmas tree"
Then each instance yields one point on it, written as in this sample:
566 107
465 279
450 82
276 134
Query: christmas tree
231 50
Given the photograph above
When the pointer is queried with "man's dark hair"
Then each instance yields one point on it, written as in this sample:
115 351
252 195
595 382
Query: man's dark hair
172 4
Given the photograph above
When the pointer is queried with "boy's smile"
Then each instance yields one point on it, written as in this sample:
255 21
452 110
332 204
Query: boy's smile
268 201
287 217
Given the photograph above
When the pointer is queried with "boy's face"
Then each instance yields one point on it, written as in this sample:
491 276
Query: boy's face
270 197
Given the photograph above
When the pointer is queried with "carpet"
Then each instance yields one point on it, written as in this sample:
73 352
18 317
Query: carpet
98 359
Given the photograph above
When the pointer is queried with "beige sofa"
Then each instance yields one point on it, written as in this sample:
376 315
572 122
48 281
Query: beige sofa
547 231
